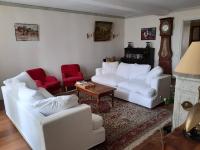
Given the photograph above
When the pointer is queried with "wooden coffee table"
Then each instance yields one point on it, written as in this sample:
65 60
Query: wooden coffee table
98 91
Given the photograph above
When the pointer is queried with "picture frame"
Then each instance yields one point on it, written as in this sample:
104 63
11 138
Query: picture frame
148 33
26 32
103 31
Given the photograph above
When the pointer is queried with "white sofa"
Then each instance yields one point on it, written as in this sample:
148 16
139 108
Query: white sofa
135 83
75 128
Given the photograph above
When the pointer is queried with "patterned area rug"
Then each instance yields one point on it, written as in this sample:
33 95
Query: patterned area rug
126 124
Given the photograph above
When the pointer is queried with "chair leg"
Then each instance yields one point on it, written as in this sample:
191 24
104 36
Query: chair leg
66 88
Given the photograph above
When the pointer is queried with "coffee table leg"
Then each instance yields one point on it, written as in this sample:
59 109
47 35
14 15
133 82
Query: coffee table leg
112 96
78 94
98 101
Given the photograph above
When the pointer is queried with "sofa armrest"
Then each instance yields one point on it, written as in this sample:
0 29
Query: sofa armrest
65 129
162 85
98 71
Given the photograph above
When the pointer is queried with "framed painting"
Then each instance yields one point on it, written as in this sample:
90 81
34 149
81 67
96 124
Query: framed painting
148 33
102 31
26 32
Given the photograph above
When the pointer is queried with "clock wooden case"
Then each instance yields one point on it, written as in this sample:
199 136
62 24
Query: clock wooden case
165 52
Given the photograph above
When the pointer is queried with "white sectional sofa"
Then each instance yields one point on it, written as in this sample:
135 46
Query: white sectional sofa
75 128
135 83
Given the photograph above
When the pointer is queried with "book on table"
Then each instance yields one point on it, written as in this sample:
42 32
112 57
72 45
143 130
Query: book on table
85 84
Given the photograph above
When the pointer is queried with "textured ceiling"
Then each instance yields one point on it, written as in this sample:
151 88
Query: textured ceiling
123 8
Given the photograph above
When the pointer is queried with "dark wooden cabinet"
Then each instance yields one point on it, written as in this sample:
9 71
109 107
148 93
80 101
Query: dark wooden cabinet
139 56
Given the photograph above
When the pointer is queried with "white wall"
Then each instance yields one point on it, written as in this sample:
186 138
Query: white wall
185 37
62 41
133 30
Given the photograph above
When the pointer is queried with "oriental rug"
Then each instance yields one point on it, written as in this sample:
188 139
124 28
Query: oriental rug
127 124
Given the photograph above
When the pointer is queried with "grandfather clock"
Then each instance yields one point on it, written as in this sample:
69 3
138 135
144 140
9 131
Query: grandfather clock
165 52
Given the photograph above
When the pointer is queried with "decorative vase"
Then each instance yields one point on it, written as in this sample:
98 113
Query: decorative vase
130 44
148 44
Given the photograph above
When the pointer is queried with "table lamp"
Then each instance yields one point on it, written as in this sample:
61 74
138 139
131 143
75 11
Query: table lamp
189 66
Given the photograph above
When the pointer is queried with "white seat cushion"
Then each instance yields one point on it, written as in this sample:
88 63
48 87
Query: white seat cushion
138 86
97 121
109 67
108 79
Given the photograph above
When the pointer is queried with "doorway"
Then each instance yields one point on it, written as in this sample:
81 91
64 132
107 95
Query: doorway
191 33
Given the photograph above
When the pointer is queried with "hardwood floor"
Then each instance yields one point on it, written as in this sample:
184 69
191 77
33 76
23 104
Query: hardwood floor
154 142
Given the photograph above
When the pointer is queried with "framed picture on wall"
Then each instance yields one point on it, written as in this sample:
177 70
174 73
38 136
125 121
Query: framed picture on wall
148 33
26 32
102 31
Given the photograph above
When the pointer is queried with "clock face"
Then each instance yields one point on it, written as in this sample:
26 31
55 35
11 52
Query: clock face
165 27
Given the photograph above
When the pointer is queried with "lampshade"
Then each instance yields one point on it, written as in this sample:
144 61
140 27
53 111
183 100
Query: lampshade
190 62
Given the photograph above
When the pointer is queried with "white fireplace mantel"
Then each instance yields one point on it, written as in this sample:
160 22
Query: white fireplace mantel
186 89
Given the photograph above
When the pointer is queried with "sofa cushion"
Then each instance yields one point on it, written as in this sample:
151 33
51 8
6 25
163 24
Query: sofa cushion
22 77
123 70
138 70
44 92
108 79
97 121
28 96
155 72
13 88
53 105
138 86
109 67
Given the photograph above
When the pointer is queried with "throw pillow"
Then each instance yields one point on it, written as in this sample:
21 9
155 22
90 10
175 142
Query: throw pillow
123 70
109 67
55 104
155 72
138 70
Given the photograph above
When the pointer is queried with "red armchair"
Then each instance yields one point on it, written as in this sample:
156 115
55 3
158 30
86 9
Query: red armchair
70 74
50 83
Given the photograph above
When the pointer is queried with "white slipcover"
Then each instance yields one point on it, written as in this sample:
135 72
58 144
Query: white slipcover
70 129
132 84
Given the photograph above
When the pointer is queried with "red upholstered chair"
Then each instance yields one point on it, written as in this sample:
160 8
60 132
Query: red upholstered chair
50 83
70 74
